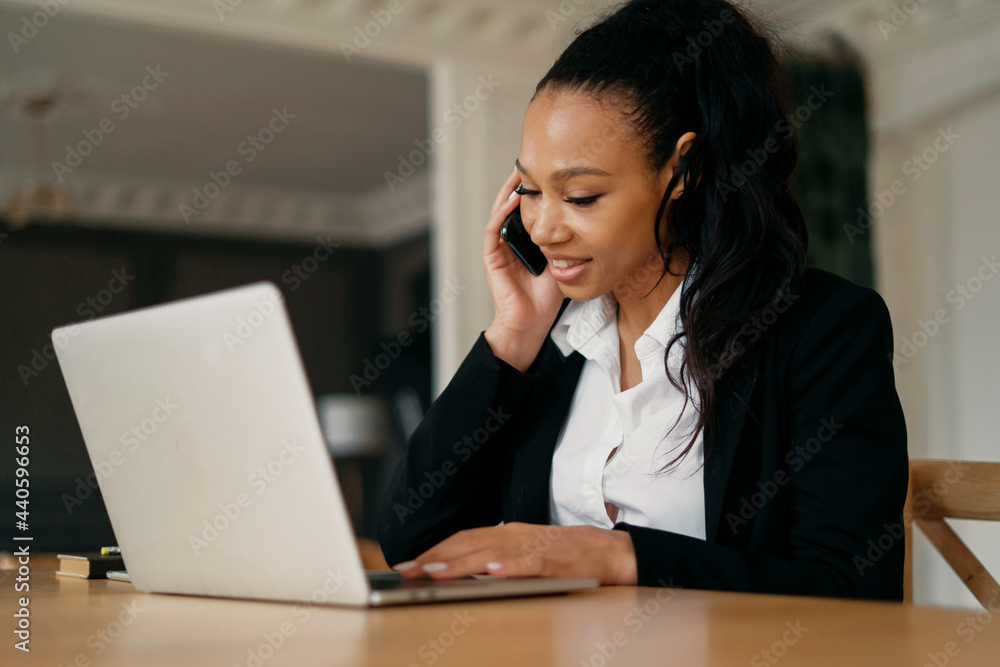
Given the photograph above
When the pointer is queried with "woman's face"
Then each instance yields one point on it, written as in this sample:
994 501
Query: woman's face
588 199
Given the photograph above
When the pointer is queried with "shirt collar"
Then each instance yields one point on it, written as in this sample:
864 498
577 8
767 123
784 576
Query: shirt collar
581 320
667 322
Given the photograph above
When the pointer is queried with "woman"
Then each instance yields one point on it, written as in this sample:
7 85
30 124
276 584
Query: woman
676 400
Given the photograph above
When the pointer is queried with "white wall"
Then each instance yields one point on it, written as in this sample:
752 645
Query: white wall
965 392
944 75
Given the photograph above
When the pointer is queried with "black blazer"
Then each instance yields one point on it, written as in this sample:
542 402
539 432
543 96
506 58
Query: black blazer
804 483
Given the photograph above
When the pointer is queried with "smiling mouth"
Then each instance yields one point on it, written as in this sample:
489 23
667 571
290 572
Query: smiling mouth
567 263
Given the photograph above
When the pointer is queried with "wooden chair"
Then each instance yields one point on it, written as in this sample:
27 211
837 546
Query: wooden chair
956 490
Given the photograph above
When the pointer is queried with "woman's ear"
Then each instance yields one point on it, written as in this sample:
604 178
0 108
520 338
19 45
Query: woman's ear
683 146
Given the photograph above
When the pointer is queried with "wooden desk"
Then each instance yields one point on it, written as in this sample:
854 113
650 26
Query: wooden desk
110 623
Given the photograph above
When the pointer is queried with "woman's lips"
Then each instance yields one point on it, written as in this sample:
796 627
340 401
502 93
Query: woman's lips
566 263
567 270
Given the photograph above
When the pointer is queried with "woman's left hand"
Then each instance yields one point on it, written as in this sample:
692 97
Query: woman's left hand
530 550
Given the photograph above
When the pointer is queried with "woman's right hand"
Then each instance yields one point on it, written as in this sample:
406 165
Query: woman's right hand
524 305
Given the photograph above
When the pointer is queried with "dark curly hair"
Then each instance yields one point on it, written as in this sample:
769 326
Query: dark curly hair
673 66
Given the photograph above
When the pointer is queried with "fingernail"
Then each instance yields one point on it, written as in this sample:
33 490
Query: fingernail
404 566
512 195
494 566
435 567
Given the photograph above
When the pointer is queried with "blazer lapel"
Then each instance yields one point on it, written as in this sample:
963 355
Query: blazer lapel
732 407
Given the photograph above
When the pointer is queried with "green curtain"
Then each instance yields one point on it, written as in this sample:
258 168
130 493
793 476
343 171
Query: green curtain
831 179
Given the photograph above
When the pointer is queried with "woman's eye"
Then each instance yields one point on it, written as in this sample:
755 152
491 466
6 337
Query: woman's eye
577 201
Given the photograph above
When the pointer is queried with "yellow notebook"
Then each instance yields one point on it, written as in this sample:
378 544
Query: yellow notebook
88 565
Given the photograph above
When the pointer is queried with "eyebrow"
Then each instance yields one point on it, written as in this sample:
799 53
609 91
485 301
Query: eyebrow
567 173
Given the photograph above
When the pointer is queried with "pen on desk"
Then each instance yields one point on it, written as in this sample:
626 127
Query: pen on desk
110 551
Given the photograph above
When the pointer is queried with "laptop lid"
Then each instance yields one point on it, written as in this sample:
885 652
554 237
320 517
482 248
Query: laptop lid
201 427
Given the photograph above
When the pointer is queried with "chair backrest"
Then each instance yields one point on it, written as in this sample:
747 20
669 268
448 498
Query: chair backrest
957 490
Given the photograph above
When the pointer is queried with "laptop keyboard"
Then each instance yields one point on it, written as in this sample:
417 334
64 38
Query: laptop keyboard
382 581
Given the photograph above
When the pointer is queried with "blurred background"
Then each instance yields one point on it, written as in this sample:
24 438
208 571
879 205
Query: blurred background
350 150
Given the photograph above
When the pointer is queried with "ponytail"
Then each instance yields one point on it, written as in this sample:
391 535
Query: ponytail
705 66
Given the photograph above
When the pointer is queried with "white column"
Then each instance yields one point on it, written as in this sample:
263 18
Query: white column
482 138
930 241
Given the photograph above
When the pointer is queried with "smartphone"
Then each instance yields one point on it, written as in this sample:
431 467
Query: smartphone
517 239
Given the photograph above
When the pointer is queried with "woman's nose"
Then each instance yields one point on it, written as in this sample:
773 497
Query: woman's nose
547 227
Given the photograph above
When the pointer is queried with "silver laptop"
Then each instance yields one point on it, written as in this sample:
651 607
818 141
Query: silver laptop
201 427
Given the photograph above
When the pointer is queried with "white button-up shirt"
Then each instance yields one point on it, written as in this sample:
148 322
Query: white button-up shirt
602 417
